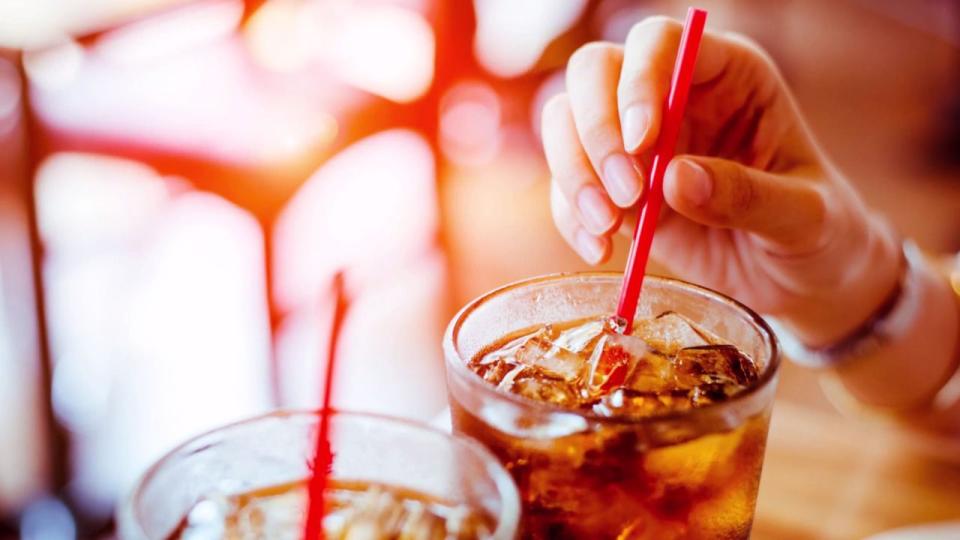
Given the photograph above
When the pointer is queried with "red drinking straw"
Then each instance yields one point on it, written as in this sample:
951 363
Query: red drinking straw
663 153
313 529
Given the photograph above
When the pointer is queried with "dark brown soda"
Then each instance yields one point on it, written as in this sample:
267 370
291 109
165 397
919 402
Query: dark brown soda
355 510
613 481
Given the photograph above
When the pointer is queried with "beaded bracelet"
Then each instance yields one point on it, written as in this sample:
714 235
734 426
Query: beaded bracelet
888 321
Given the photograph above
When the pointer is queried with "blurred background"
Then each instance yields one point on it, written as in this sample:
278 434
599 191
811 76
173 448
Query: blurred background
179 180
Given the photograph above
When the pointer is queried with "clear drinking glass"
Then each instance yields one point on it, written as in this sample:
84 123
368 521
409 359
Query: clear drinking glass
690 474
275 449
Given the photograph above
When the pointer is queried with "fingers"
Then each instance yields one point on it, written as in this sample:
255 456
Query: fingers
572 172
592 76
649 56
592 249
788 211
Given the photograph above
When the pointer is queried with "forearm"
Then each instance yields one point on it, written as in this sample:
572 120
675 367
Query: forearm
912 375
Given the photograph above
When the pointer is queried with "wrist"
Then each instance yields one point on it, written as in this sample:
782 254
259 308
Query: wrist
910 372
867 269
901 358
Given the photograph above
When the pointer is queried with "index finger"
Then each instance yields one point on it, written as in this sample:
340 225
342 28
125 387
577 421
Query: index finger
649 56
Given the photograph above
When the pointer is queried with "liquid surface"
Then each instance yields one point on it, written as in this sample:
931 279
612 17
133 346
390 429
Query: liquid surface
666 364
355 511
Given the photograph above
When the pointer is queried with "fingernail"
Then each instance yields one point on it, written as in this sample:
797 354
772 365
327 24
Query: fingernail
595 209
588 246
696 182
635 125
621 179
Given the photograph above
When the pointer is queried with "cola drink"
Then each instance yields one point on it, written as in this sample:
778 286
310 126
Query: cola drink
355 510
389 479
656 432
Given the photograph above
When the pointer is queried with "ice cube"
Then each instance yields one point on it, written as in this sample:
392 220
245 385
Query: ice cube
372 514
207 519
495 371
361 529
706 394
580 337
272 512
611 362
627 402
714 364
552 360
635 345
506 383
420 524
509 350
534 385
666 364
457 521
653 373
669 332
708 457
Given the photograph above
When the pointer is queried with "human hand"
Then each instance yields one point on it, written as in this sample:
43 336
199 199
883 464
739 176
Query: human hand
755 209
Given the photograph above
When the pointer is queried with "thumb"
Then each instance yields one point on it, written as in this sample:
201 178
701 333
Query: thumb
786 210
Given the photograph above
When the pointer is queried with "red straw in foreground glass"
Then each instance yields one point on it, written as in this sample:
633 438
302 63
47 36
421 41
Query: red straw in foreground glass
663 153
313 528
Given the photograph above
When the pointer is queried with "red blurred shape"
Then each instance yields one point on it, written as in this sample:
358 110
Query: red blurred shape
323 457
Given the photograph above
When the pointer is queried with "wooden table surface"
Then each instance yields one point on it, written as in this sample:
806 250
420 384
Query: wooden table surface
827 476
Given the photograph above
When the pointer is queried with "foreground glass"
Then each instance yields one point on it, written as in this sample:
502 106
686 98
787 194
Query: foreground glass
688 474
275 450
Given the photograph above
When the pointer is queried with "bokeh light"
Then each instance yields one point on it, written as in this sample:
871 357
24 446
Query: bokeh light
373 202
157 315
470 123
371 211
204 101
384 49
512 35
24 473
172 33
54 67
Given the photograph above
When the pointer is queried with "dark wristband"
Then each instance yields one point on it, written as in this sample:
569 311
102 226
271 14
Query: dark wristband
883 324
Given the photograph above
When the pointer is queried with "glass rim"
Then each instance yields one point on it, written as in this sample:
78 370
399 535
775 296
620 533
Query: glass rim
507 520
476 382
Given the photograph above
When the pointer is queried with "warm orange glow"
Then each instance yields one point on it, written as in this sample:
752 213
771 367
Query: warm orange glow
163 130
512 35
470 123
273 38
9 98
383 49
